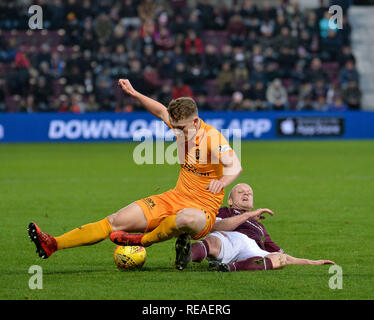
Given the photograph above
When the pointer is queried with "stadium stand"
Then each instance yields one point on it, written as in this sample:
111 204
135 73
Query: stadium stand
230 55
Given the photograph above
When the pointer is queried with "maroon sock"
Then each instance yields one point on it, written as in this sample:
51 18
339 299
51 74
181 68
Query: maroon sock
199 251
255 263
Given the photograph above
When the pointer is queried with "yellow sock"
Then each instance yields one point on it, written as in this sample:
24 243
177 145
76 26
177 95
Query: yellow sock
85 235
165 231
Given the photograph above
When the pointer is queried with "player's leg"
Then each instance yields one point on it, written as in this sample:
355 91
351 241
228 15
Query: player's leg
249 255
219 248
189 220
160 212
130 218
192 222
252 257
209 247
293 260
252 264
272 261
280 260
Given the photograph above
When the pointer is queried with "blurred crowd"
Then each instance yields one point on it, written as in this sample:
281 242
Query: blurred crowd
228 55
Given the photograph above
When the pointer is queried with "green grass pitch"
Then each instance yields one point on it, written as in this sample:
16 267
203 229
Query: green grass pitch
322 194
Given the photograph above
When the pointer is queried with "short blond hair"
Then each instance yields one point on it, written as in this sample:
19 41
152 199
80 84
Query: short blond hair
182 108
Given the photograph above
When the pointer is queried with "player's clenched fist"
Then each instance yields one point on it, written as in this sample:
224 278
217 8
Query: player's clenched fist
127 87
215 186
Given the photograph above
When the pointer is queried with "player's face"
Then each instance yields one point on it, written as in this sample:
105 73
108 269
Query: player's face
187 126
241 197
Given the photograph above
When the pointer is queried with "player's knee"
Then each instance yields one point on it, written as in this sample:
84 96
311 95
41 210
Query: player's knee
214 244
118 223
114 222
185 219
189 220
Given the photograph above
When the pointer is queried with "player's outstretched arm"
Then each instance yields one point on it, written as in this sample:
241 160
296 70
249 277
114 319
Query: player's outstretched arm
230 224
152 106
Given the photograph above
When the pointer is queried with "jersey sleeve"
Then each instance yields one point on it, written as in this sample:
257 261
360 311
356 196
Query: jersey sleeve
219 146
223 213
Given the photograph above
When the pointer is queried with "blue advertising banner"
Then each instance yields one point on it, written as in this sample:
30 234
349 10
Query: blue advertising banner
51 127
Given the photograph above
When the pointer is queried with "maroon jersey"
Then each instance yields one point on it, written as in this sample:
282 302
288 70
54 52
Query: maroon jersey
251 229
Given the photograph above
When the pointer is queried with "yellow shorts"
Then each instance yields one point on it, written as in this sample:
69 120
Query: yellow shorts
157 207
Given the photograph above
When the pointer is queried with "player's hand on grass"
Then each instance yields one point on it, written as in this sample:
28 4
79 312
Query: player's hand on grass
215 186
258 214
127 87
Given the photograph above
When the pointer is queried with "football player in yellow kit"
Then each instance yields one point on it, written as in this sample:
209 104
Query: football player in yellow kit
207 166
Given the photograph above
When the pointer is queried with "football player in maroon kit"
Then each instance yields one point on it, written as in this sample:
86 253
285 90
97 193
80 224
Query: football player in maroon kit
240 242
